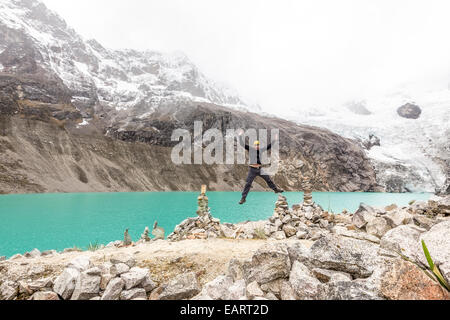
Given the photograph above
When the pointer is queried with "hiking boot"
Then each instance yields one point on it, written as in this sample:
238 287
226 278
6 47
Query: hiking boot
243 200
279 191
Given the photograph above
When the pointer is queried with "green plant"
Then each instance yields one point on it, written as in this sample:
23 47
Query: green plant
93 247
434 268
259 234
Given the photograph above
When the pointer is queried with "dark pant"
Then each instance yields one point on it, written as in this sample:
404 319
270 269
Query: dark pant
252 176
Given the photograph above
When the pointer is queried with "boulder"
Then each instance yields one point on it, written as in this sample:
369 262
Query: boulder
147 284
398 217
363 216
303 282
114 289
424 222
65 284
254 290
118 269
378 227
185 286
326 276
87 287
106 278
403 240
405 281
409 111
33 254
438 243
289 230
133 294
218 288
360 235
235 269
45 296
356 257
81 263
347 290
125 258
279 235
134 277
287 292
269 263
237 291
40 284
8 290
226 232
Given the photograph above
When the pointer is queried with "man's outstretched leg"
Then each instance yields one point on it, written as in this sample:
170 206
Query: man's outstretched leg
253 173
271 184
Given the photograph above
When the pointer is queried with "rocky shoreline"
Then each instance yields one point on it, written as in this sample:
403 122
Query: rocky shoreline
301 253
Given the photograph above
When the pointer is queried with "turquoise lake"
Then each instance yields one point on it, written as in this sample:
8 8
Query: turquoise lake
59 221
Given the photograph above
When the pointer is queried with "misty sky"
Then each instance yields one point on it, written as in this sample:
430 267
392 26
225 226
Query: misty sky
283 53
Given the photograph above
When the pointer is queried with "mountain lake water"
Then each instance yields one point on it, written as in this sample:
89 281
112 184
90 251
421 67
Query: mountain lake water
59 221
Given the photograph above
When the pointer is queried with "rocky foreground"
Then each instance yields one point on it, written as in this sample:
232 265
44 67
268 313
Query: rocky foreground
301 253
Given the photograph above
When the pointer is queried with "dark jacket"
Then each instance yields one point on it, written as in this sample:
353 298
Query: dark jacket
255 155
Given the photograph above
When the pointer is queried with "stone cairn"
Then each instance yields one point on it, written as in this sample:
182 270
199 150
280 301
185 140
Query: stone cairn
204 226
145 237
305 221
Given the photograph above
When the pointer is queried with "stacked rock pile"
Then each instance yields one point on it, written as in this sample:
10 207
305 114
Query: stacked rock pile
204 226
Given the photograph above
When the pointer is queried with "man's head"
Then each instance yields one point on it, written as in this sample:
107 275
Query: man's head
257 144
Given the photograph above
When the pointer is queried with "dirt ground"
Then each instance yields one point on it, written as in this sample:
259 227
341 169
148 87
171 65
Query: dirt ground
165 260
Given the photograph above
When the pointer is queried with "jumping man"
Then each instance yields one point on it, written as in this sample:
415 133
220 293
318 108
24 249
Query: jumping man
255 168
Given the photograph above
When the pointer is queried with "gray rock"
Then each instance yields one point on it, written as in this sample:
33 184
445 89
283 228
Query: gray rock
270 296
398 217
347 290
424 222
237 291
118 269
49 253
33 254
254 290
125 258
352 256
16 257
94 271
279 235
185 286
403 240
409 111
65 284
360 235
81 263
303 282
134 277
377 227
40 284
114 289
2 258
235 269
87 287
269 263
45 296
218 289
106 278
8 290
226 232
147 284
134 294
287 292
326 276
363 216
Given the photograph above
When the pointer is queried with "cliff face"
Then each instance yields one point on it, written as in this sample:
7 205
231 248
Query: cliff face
44 149
76 117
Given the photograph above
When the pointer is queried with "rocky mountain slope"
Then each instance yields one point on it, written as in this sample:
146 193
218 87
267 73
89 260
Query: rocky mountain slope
77 117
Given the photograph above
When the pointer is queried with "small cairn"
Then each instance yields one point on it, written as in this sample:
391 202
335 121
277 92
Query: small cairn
305 221
127 239
145 237
204 226
158 232
307 188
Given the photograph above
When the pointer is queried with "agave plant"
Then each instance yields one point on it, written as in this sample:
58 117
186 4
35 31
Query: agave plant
434 268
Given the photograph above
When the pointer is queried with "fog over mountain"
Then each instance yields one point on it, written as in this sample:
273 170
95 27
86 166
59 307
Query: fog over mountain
284 54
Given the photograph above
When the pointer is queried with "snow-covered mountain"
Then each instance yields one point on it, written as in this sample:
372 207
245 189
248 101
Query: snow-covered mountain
412 154
121 79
